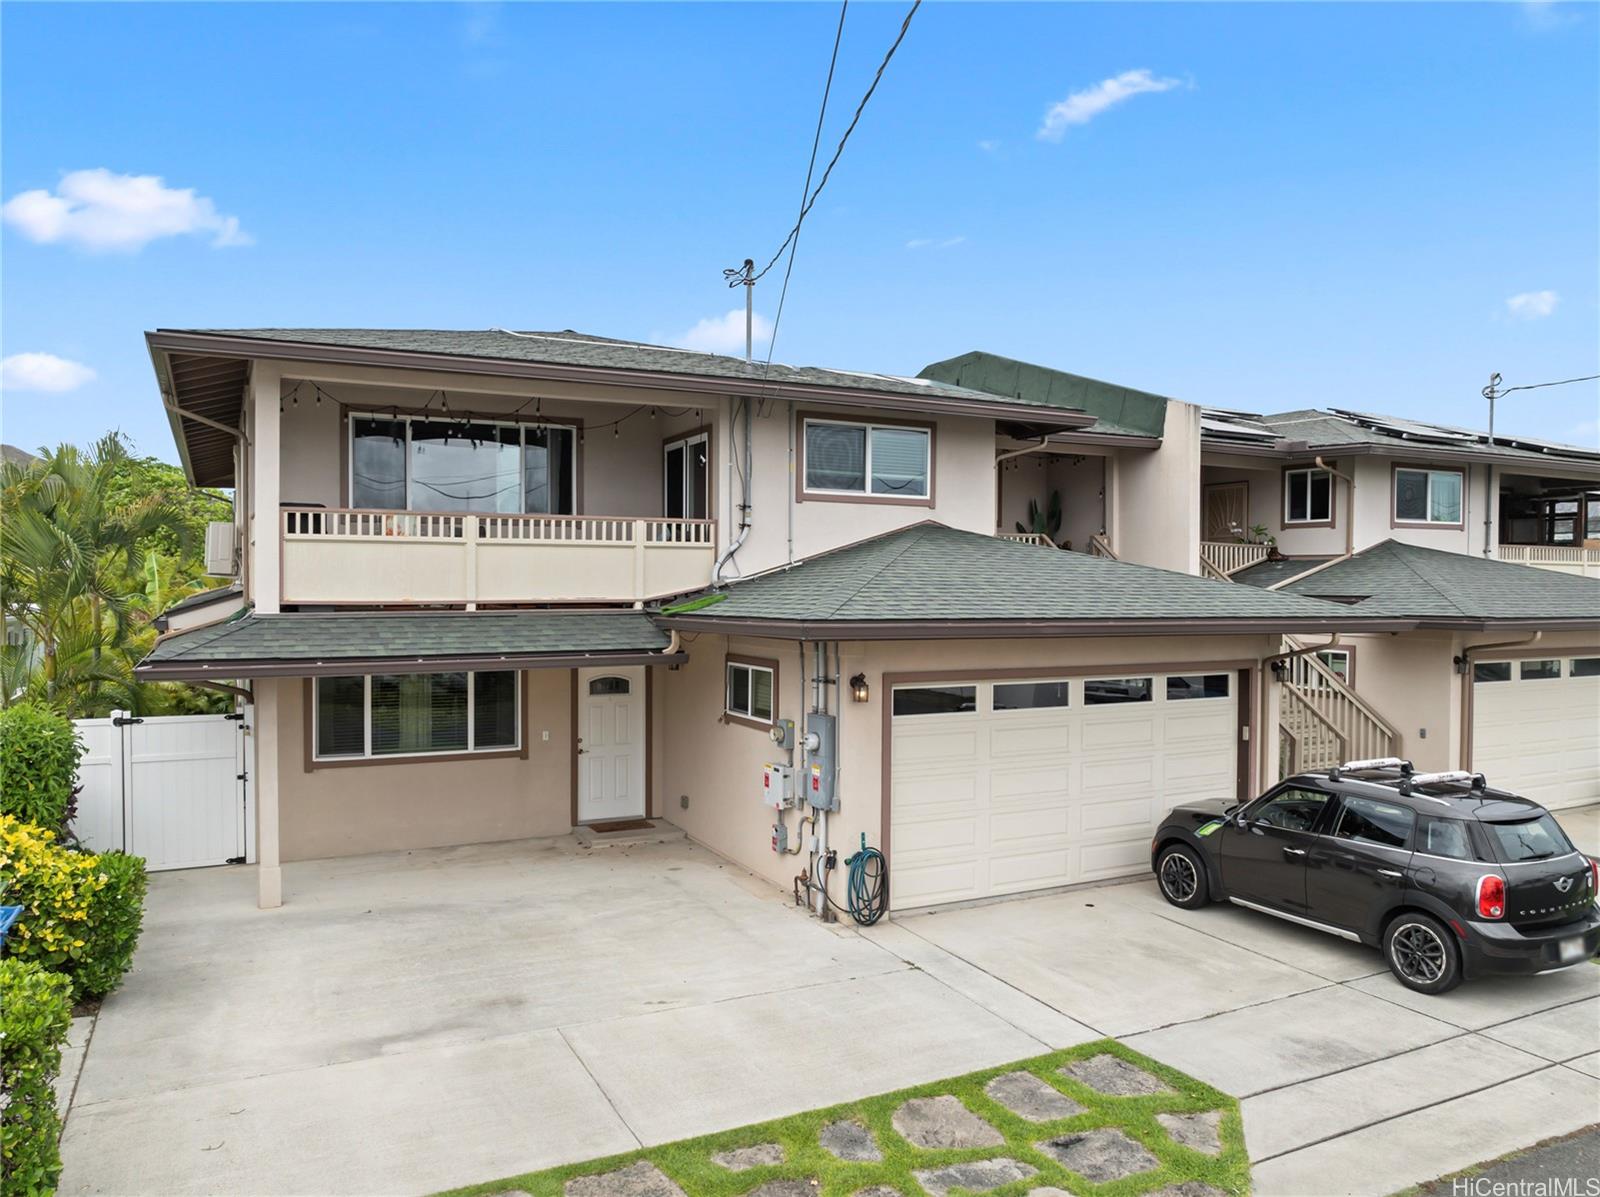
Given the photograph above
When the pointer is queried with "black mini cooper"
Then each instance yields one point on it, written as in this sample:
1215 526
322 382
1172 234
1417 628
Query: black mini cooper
1448 877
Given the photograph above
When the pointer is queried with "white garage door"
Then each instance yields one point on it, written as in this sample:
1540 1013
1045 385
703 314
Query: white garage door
1009 785
1536 727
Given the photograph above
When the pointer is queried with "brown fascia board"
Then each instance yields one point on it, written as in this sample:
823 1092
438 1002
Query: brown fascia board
164 385
1411 450
1468 624
647 379
190 671
973 629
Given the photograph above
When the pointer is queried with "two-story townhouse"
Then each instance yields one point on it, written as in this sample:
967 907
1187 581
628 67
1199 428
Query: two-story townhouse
1422 522
495 585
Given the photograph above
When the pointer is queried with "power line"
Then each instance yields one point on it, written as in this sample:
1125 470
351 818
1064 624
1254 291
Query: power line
805 208
1534 386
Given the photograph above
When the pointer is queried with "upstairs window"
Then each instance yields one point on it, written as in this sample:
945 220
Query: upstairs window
1307 496
490 467
885 461
1427 496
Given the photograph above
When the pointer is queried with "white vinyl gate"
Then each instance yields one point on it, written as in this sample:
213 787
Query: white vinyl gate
169 788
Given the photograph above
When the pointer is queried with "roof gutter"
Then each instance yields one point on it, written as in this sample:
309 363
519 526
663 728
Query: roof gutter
193 671
844 396
1414 451
955 629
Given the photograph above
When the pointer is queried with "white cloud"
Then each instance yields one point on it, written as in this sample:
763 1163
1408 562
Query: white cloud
1081 107
99 210
42 372
724 334
1546 16
1533 305
934 242
988 145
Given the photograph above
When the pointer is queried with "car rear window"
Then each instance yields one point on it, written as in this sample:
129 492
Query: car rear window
1530 839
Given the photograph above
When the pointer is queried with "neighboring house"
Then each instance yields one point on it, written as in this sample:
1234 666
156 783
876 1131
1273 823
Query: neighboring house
496 585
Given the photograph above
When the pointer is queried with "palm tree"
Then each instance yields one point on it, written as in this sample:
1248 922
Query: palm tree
70 566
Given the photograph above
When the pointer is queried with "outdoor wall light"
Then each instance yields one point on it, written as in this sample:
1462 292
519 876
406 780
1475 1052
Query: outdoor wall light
858 688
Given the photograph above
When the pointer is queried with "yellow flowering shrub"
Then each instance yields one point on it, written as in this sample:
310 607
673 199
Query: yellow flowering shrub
57 890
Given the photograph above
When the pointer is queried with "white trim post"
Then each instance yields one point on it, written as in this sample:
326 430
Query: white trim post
266 533
268 712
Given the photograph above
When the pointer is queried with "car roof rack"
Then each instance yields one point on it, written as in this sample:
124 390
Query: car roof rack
1382 764
1476 781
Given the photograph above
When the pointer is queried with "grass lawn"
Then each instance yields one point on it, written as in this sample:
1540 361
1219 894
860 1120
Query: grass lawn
689 1162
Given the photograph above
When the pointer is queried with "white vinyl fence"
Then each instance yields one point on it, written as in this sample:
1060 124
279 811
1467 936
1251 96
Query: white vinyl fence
169 788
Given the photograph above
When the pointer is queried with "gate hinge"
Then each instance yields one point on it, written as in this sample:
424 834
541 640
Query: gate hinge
234 860
241 777
124 720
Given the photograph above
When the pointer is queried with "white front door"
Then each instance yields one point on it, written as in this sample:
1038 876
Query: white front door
611 744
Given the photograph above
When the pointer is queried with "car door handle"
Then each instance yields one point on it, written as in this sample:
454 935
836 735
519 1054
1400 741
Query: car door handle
1390 873
1294 851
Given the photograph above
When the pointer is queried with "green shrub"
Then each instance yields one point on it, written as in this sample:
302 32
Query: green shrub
33 1025
116 913
39 754
81 913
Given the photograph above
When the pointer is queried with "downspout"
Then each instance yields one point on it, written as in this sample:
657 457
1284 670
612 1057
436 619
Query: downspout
1001 458
672 648
1463 665
1350 506
746 476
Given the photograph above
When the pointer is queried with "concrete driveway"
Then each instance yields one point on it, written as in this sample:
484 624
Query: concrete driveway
414 1021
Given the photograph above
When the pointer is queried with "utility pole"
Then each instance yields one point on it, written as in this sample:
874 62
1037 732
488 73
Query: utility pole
745 276
1491 393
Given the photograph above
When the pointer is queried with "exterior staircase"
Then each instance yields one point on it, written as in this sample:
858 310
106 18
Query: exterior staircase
1323 722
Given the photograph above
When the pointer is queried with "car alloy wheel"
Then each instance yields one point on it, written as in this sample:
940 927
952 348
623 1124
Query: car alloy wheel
1178 878
1419 954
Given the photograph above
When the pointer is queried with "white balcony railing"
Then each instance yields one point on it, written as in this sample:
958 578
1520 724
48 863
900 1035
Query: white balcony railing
1038 538
1228 557
1563 558
339 556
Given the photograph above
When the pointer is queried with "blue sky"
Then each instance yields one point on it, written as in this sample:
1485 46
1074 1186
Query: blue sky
1254 206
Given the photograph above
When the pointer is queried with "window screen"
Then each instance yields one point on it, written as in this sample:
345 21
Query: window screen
900 462
341 716
836 457
1027 696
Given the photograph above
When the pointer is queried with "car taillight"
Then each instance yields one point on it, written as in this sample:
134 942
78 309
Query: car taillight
1491 897
1594 878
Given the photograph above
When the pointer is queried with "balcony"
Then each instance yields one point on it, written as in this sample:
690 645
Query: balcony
1566 559
361 558
1228 557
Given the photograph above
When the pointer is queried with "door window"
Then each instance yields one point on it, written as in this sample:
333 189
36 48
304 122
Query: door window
1292 810
602 686
1371 822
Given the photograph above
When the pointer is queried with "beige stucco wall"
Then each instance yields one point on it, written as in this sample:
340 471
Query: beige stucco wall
1155 510
1079 477
347 810
717 765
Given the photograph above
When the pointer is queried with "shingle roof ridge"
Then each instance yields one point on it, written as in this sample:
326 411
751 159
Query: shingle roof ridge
913 536
1396 551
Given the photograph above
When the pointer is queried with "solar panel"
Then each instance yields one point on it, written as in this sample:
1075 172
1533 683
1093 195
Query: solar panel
1411 429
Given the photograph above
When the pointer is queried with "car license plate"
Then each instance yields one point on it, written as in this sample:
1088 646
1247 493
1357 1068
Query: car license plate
1572 949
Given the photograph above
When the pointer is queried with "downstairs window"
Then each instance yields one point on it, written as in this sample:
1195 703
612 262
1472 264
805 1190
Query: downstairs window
415 714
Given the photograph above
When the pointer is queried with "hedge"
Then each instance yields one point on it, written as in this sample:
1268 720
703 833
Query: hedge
39 755
33 1025
81 913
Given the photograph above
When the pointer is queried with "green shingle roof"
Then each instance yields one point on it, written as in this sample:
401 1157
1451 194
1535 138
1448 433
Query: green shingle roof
1119 410
568 348
1269 573
930 573
1406 581
309 643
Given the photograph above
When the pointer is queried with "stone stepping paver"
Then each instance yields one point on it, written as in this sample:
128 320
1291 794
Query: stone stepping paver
878 1191
943 1122
1200 1132
639 1179
1026 1096
1113 1075
787 1188
979 1176
740 1159
1100 1155
849 1140
1188 1188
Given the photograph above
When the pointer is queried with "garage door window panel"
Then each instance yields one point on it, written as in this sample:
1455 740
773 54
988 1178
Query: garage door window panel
1491 671
1031 696
1538 671
1193 685
934 700
1109 690
1584 667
